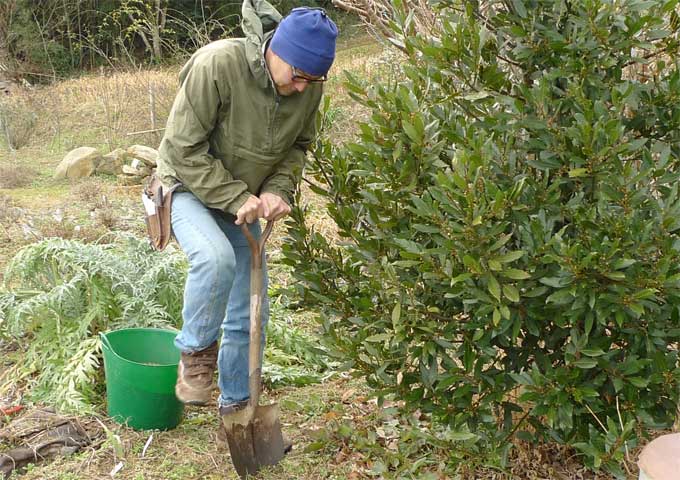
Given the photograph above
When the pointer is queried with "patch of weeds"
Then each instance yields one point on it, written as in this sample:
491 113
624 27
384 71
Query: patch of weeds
96 196
178 472
90 191
16 176
310 404
198 419
9 211
17 122
69 476
61 223
383 443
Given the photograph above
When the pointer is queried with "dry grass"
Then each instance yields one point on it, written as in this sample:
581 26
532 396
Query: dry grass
9 214
15 176
193 451
18 117
99 110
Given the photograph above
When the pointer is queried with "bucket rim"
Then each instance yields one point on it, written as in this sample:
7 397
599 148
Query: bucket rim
105 342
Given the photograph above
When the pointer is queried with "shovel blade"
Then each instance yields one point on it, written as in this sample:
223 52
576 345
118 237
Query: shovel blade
258 443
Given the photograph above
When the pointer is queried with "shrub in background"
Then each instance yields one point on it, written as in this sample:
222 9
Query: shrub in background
510 211
17 122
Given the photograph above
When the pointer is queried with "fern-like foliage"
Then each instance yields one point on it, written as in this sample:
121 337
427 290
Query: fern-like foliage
292 356
59 294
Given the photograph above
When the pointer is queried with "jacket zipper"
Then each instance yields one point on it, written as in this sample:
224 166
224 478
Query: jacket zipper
273 121
276 104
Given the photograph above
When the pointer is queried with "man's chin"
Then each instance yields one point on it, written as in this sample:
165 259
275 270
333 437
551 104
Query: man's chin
286 91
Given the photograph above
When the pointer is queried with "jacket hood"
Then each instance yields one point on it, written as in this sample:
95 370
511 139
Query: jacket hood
259 20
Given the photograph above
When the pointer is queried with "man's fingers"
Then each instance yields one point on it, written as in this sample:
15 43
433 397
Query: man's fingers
250 211
281 212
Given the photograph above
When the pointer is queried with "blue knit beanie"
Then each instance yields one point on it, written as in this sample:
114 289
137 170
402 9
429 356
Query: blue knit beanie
305 39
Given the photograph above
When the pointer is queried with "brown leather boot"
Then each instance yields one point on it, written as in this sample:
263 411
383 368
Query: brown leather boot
196 376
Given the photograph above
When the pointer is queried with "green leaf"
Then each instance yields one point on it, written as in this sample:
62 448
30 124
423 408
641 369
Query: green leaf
396 314
471 264
461 436
555 282
472 96
460 278
495 265
592 352
578 172
411 131
636 144
623 263
519 8
585 363
510 257
511 293
408 245
500 242
588 326
638 382
515 274
379 337
615 275
494 287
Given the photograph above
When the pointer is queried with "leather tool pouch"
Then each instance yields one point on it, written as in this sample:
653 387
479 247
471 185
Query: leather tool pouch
157 202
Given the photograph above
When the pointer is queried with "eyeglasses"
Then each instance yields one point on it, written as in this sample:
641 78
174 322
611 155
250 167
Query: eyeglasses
298 76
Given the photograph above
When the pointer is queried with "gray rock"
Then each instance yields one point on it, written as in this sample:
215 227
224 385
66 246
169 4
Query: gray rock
146 154
129 180
78 163
137 169
112 163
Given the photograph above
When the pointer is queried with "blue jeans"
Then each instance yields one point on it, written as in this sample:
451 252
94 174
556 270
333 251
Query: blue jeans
217 290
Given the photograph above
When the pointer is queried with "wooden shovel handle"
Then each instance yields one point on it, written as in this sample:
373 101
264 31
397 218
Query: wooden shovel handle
256 247
256 285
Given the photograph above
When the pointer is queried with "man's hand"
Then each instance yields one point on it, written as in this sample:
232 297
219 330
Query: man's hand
273 206
250 211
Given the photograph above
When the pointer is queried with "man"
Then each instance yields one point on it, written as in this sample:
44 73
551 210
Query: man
236 139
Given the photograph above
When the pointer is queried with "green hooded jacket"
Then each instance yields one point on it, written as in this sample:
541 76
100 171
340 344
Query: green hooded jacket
229 134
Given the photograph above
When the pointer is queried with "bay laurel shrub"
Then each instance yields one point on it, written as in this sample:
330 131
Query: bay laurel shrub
509 258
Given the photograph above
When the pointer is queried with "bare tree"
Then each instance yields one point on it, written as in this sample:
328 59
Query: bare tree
7 9
377 14
151 23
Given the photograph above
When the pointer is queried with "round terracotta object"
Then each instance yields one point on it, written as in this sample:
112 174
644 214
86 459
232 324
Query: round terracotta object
660 459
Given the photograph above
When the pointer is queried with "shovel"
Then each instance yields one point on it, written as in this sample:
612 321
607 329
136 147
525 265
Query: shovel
254 432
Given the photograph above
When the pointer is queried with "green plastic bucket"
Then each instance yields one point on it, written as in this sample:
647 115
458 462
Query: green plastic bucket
140 365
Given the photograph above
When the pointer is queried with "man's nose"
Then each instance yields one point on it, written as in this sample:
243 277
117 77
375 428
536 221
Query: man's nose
300 86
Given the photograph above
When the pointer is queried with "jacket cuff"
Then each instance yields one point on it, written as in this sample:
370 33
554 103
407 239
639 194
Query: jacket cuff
238 202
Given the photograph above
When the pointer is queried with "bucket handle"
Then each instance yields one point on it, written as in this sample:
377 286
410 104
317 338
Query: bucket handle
105 340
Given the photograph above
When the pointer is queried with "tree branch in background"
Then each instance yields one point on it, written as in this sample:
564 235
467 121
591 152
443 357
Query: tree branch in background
377 15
